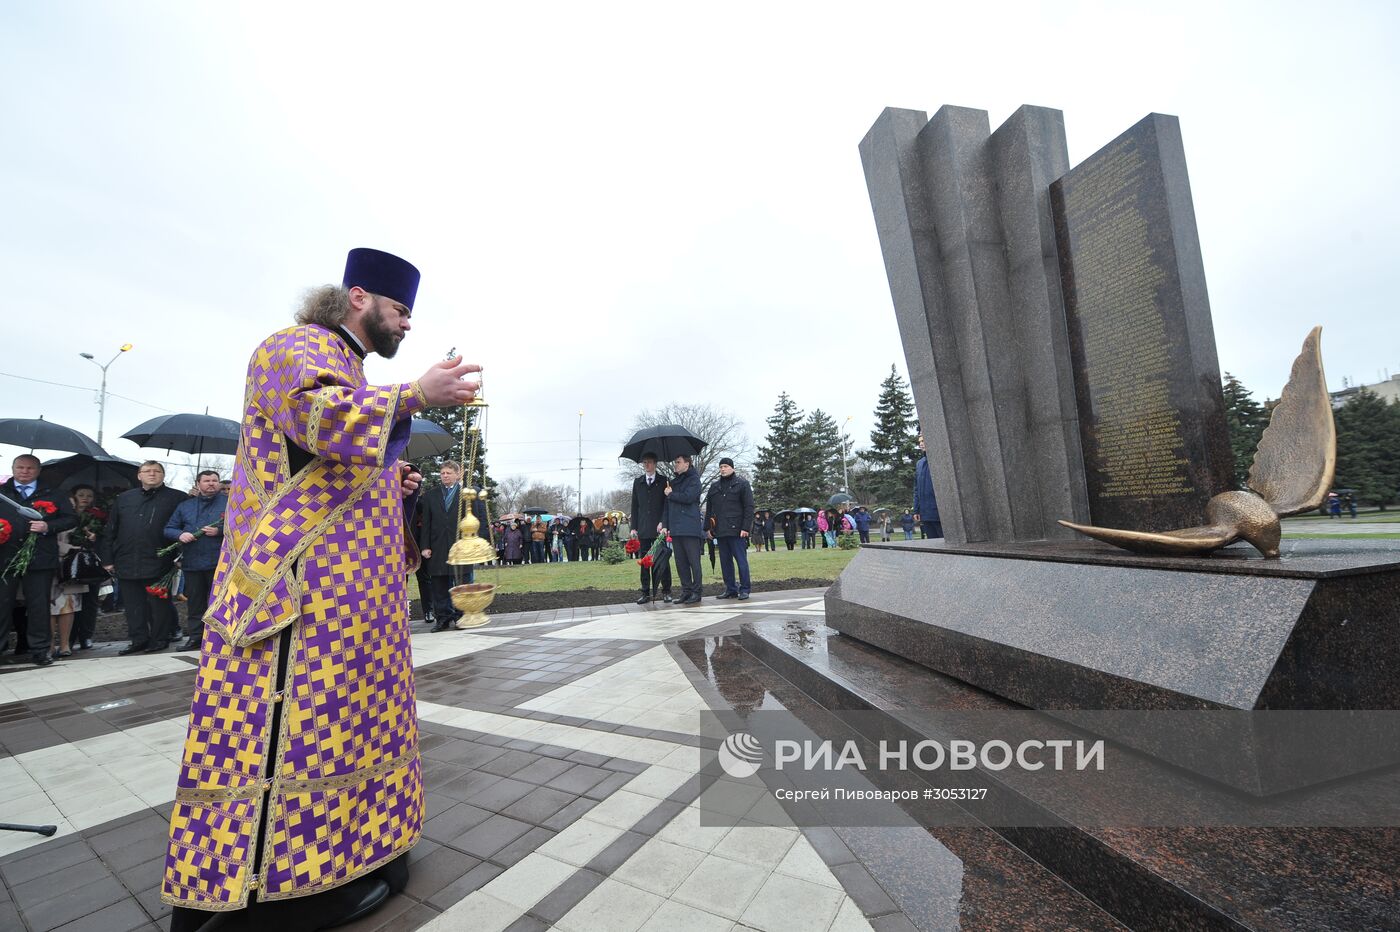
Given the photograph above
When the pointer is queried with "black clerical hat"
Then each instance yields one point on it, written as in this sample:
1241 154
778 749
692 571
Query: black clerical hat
383 274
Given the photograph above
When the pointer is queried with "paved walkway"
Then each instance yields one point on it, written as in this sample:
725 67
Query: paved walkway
561 782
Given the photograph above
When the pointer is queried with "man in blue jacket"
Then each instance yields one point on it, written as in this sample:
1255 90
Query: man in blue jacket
925 505
727 509
198 523
683 524
862 519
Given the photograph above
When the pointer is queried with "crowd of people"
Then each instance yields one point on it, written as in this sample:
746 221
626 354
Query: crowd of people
151 546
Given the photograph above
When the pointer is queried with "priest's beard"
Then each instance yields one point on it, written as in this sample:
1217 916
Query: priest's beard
383 338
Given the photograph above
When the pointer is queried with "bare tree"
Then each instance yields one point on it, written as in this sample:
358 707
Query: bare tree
509 494
611 500
721 430
556 498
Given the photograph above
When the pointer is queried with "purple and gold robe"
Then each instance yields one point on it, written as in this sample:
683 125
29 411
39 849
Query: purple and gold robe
312 576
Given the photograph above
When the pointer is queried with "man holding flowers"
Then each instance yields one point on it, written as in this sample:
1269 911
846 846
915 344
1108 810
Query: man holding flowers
130 549
29 551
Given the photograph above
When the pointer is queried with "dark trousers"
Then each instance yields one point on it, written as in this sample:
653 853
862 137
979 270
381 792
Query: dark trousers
688 564
425 590
537 552
37 586
198 584
443 612
571 548
809 540
734 550
654 578
768 540
85 621
865 536
932 529
790 541
150 620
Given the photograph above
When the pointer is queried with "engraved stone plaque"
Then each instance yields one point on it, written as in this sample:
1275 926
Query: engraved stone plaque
1151 413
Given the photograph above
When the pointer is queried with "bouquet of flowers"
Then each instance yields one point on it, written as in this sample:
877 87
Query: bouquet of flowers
5 532
162 587
660 552
632 546
20 563
90 522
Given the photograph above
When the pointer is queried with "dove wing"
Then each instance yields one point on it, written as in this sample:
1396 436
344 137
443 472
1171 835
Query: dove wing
1297 455
1202 539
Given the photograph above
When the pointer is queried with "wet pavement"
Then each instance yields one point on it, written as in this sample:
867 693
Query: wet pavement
564 773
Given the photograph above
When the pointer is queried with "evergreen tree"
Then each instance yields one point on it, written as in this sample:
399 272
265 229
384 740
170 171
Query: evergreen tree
821 450
778 470
894 444
1368 448
450 419
1246 419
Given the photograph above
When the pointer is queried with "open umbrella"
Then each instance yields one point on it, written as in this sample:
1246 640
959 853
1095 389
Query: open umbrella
535 511
840 498
200 434
666 441
804 511
35 433
100 472
513 516
428 439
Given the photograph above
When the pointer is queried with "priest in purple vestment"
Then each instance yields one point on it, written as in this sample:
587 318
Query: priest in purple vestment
301 790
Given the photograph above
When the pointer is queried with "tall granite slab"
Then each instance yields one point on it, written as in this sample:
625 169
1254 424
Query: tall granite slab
965 229
1151 413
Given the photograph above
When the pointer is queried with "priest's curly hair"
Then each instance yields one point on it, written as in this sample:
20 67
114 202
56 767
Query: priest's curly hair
326 306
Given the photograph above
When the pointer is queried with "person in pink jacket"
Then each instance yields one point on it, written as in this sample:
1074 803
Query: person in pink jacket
824 528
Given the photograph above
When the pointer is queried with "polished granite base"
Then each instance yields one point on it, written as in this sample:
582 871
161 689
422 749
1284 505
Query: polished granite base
1084 626
1146 877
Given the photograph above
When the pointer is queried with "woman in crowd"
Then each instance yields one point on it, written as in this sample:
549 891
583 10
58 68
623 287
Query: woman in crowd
824 528
684 524
515 544
90 518
756 532
789 529
67 597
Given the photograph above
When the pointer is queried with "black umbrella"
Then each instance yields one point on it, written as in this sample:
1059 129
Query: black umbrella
840 498
804 511
200 434
39 434
100 472
428 439
667 442
535 511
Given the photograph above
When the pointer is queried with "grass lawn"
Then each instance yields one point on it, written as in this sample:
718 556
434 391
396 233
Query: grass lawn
1293 535
563 577
1368 515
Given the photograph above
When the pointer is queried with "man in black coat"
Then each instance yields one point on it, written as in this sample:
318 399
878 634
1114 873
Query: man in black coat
26 489
439 508
727 508
648 503
131 538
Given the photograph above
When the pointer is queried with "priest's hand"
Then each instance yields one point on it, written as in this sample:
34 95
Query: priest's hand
426 554
411 479
444 386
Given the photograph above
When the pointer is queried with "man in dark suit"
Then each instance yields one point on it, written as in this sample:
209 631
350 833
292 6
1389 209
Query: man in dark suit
648 501
36 582
439 508
129 548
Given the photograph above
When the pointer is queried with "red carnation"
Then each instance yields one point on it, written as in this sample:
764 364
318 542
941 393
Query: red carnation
632 545
647 561
5 532
48 508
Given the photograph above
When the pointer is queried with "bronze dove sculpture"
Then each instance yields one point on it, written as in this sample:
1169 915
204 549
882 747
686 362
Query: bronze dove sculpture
1291 474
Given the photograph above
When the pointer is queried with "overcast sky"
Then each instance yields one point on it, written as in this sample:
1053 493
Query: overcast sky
619 206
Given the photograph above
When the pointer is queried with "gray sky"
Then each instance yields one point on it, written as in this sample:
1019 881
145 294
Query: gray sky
615 206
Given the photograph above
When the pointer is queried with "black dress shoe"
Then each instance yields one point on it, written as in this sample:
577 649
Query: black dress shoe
156 648
644 600
41 660
191 644
85 644
667 598
727 595
743 597
132 649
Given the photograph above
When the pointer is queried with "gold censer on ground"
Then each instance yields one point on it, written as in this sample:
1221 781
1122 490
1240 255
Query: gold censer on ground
470 548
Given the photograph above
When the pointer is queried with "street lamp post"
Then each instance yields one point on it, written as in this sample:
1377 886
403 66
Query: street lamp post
580 461
845 474
102 393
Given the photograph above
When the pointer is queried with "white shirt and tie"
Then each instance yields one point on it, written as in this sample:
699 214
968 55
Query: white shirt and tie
26 489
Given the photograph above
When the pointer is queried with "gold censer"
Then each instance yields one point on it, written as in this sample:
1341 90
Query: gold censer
470 548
